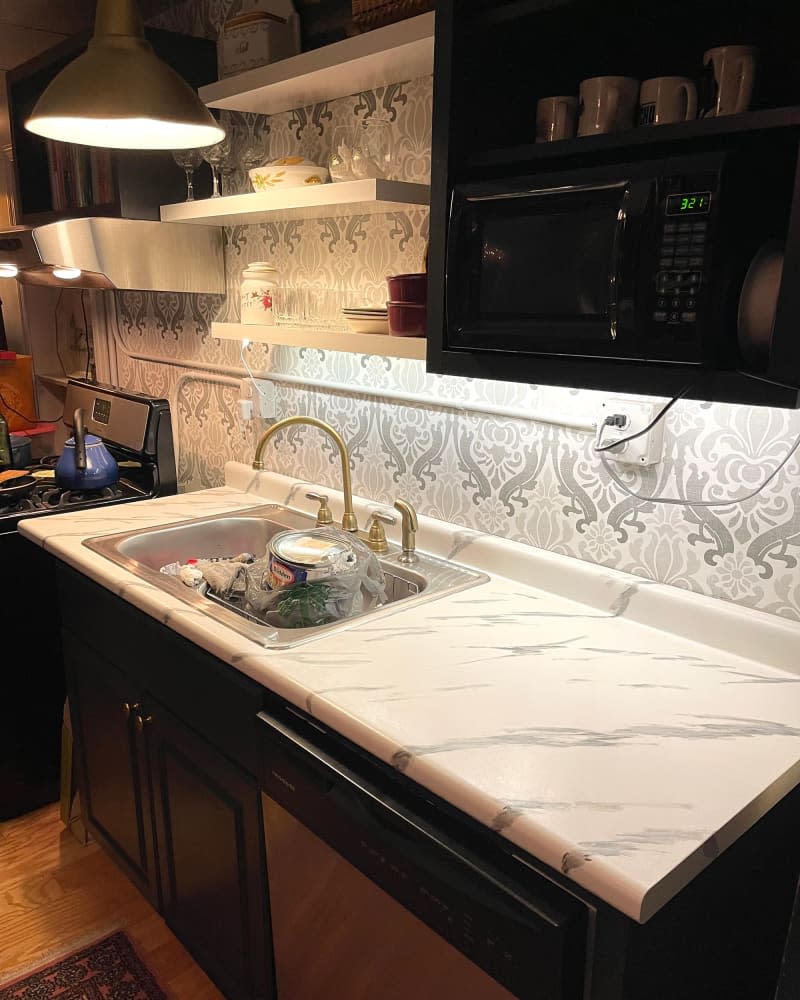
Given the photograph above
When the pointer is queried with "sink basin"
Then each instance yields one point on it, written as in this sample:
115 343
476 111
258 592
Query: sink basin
144 551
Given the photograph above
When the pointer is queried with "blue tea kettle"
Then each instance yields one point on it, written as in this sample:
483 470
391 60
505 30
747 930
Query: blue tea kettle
85 463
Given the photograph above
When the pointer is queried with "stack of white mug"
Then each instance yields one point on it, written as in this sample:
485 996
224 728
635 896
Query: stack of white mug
613 103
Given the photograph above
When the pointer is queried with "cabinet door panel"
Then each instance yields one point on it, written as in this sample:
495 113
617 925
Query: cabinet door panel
210 857
111 762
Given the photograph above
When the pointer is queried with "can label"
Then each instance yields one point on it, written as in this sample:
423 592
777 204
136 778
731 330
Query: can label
282 575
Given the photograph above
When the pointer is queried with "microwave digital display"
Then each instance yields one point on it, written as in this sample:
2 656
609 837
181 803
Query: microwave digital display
691 203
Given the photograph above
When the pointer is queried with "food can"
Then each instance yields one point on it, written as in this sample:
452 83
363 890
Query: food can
310 556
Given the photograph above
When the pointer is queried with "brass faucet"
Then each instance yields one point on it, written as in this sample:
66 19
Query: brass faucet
349 522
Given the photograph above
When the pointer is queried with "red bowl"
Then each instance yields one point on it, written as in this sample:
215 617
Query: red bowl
408 288
407 319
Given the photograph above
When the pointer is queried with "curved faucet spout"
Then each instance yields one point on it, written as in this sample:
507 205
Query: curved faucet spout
349 522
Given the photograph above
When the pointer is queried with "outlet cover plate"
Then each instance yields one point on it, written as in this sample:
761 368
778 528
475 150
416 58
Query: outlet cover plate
645 450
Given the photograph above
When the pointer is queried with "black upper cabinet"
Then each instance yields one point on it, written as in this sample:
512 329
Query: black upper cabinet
493 62
59 180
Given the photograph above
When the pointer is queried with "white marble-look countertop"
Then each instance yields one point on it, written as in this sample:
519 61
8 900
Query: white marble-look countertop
622 732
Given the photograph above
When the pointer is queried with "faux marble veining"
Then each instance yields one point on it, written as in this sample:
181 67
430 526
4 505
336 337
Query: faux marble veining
620 731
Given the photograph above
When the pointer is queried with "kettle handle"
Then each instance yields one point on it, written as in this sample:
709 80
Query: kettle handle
79 435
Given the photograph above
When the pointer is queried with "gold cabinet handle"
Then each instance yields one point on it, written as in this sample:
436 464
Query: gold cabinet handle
141 722
128 707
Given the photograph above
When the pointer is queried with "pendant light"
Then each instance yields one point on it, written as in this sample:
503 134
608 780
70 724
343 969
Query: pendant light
118 94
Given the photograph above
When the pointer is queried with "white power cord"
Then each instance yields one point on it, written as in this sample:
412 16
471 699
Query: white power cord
245 344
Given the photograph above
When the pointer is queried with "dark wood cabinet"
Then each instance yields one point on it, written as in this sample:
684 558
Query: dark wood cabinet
484 133
174 805
209 833
115 794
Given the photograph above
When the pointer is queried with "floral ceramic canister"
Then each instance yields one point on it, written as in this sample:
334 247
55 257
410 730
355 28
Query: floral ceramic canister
259 281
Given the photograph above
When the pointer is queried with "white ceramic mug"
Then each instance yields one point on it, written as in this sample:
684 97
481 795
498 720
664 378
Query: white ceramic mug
667 99
607 104
556 118
734 69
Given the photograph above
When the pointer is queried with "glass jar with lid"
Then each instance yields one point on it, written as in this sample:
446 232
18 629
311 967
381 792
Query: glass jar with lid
259 281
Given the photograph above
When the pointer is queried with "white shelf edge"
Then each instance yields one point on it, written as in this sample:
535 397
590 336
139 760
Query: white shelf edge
328 340
399 51
364 197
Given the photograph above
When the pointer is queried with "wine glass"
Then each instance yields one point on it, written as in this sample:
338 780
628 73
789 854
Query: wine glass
231 162
254 151
214 156
190 160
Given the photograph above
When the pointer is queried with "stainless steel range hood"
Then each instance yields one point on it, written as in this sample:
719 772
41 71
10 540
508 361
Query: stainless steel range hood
109 253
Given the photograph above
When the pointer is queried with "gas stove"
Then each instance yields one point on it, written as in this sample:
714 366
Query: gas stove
48 498
136 429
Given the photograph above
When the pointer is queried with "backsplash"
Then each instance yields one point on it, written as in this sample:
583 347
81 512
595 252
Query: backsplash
425 437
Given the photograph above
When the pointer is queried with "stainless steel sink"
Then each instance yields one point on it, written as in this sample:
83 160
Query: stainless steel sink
144 551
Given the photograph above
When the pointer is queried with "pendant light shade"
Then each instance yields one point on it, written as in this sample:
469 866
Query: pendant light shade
118 94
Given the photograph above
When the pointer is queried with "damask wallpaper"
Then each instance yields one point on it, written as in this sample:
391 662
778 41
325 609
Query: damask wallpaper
463 450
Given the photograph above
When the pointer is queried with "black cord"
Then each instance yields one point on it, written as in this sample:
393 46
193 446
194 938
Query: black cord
681 501
632 437
30 420
85 332
55 320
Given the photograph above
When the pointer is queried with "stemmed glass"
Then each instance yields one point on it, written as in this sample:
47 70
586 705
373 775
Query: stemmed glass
190 160
254 151
229 165
215 156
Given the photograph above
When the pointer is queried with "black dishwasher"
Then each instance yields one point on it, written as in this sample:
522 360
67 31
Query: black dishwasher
377 894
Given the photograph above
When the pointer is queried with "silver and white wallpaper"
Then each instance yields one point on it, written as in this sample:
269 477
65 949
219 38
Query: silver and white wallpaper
462 450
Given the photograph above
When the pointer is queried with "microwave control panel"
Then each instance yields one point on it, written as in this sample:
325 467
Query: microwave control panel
682 266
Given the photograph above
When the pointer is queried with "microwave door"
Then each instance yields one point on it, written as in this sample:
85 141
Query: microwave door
544 270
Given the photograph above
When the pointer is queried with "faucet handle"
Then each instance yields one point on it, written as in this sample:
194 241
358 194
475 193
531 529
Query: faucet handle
409 530
324 515
376 539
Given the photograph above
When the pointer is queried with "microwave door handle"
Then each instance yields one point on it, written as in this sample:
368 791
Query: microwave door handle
614 270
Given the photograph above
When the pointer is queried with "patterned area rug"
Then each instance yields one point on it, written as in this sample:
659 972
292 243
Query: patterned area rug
108 969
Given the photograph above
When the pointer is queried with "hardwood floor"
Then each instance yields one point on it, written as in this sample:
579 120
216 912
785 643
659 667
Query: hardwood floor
56 894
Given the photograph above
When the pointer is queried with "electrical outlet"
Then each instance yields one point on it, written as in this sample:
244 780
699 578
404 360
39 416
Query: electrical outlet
262 395
265 398
645 450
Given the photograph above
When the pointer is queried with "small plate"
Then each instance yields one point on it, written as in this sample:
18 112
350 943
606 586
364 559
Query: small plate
368 324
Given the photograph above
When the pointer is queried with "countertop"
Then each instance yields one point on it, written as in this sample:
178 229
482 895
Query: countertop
621 731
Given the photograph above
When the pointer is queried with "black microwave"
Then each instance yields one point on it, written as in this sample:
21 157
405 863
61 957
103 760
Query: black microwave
640 262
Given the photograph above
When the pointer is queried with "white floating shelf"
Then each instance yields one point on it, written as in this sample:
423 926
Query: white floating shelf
367 197
328 340
400 51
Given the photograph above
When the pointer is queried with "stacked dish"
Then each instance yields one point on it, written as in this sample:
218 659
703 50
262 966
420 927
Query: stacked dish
407 305
367 320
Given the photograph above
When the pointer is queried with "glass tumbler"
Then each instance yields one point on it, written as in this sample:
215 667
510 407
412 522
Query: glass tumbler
340 160
372 149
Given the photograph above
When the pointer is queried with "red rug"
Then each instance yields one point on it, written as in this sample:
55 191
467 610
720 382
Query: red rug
108 969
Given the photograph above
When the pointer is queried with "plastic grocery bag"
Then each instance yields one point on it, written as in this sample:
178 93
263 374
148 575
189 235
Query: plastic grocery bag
356 585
